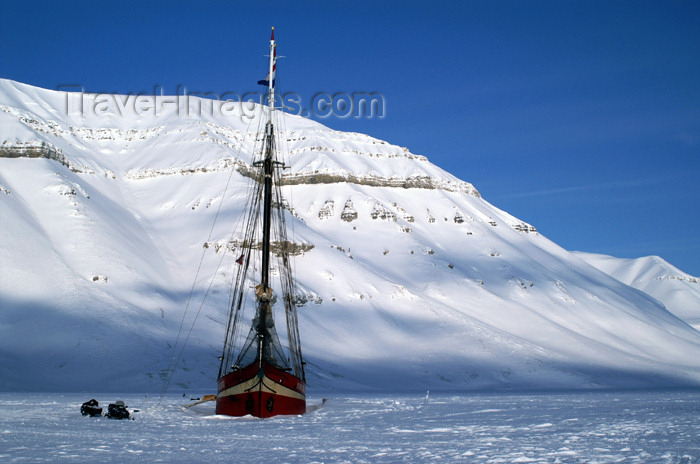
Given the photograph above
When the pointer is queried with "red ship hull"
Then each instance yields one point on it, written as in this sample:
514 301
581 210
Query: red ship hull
260 391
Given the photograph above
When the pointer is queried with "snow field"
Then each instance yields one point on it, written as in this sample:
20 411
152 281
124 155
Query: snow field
593 427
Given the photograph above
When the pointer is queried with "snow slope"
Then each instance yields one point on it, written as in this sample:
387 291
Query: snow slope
411 279
678 291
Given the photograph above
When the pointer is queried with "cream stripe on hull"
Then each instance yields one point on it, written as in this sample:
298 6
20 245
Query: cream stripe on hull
249 385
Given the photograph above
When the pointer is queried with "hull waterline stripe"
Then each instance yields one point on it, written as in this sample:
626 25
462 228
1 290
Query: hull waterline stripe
245 387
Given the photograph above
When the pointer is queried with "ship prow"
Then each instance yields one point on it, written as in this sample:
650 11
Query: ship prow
260 390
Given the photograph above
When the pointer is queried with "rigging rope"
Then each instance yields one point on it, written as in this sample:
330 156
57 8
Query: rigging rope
172 365
237 286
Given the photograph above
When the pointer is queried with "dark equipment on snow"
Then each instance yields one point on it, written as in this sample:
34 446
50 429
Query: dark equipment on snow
90 408
117 411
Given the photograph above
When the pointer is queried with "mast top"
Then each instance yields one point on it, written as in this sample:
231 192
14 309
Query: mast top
271 73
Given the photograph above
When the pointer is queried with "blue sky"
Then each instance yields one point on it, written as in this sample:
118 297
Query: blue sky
579 117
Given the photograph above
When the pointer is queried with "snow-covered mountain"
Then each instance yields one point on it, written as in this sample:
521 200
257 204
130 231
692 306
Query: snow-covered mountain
411 279
678 291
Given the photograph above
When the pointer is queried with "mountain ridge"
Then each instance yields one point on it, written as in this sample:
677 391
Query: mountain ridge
434 286
677 290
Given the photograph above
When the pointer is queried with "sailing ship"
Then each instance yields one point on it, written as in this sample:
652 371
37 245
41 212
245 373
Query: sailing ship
258 375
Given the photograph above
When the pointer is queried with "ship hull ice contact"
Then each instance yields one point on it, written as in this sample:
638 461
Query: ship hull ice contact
260 391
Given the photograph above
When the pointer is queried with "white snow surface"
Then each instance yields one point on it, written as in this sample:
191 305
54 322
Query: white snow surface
429 286
678 291
592 427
